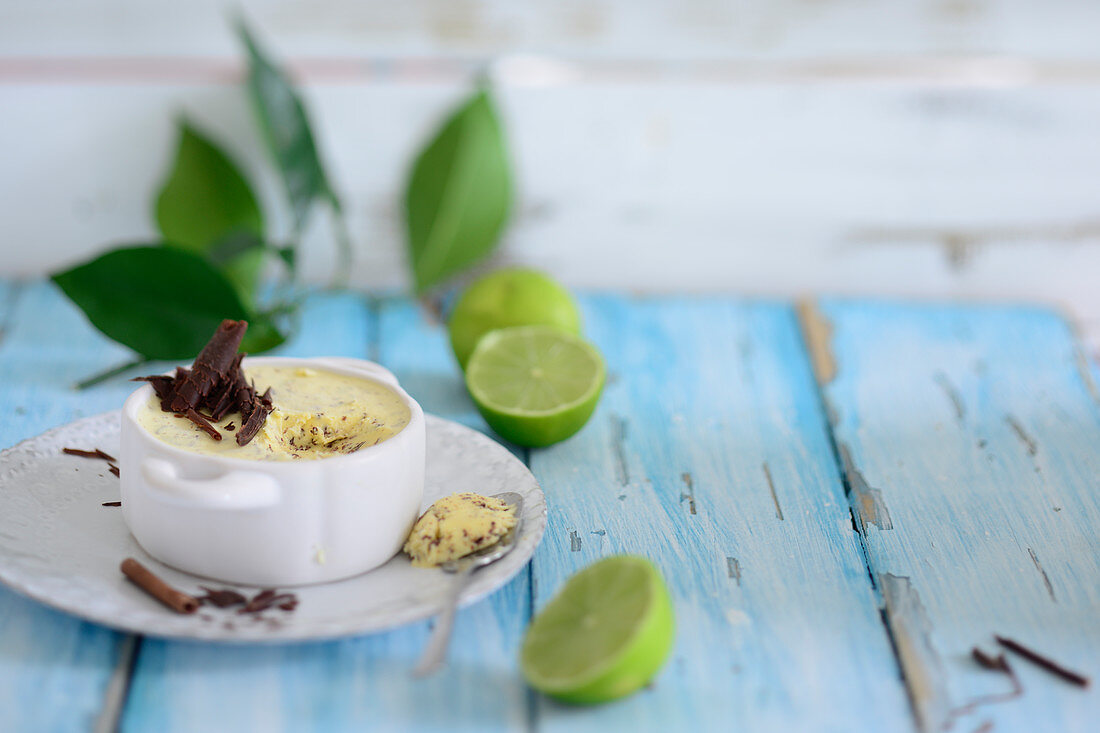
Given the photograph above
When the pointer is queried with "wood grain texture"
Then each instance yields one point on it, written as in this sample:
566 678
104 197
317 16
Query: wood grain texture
977 430
362 683
611 29
709 454
857 189
54 668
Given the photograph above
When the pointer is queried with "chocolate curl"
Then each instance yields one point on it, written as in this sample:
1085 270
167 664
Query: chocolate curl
97 453
203 423
210 367
162 384
222 400
1075 678
261 408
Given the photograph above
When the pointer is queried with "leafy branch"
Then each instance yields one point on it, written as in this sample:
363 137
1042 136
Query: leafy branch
163 299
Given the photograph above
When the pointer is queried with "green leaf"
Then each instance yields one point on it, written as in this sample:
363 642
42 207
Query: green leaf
232 246
287 131
459 194
205 197
162 302
240 257
288 255
263 334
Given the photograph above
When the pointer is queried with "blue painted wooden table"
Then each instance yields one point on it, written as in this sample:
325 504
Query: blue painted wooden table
844 500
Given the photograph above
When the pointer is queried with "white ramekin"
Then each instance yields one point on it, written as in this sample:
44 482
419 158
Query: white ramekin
274 523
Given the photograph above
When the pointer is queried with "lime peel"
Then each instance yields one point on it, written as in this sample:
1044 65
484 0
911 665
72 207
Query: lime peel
592 642
524 398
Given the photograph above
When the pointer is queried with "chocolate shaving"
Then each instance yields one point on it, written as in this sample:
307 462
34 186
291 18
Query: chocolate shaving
194 416
261 407
97 453
994 664
230 427
144 578
223 598
1046 663
162 384
113 469
211 367
223 399
998 663
215 386
112 503
260 602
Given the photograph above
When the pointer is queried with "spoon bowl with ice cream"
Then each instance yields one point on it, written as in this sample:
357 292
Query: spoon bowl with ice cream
461 533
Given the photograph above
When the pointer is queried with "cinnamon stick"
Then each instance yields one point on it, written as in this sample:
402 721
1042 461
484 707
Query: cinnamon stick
145 579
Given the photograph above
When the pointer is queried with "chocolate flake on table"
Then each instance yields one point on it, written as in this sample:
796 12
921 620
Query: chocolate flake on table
113 469
97 453
994 664
214 386
222 598
112 503
264 600
1046 663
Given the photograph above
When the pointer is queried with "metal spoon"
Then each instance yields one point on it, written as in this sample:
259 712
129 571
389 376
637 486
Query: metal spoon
436 652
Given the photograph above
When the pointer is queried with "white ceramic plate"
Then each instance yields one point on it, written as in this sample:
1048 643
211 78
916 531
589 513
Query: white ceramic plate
61 546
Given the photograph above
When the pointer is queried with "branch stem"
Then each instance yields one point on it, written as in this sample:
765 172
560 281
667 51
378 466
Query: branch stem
112 372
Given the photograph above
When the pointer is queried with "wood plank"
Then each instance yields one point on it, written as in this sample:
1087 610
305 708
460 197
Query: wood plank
362 682
709 454
970 440
617 30
813 171
54 669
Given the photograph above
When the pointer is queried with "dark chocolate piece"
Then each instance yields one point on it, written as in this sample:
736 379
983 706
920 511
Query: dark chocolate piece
113 469
223 598
194 416
215 386
1046 663
222 399
260 602
112 503
998 663
211 366
162 384
97 453
261 407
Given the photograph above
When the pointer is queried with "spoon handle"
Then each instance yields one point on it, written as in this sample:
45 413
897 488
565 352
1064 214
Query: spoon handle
436 652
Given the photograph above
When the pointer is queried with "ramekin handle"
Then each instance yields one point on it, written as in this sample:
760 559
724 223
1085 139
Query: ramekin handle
233 490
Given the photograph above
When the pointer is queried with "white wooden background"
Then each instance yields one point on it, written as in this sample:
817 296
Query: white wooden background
929 148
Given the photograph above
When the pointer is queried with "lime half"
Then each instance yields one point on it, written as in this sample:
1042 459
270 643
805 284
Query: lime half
507 298
605 634
535 385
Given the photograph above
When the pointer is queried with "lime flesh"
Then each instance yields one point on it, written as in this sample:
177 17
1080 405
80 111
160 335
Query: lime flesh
535 385
604 635
507 298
